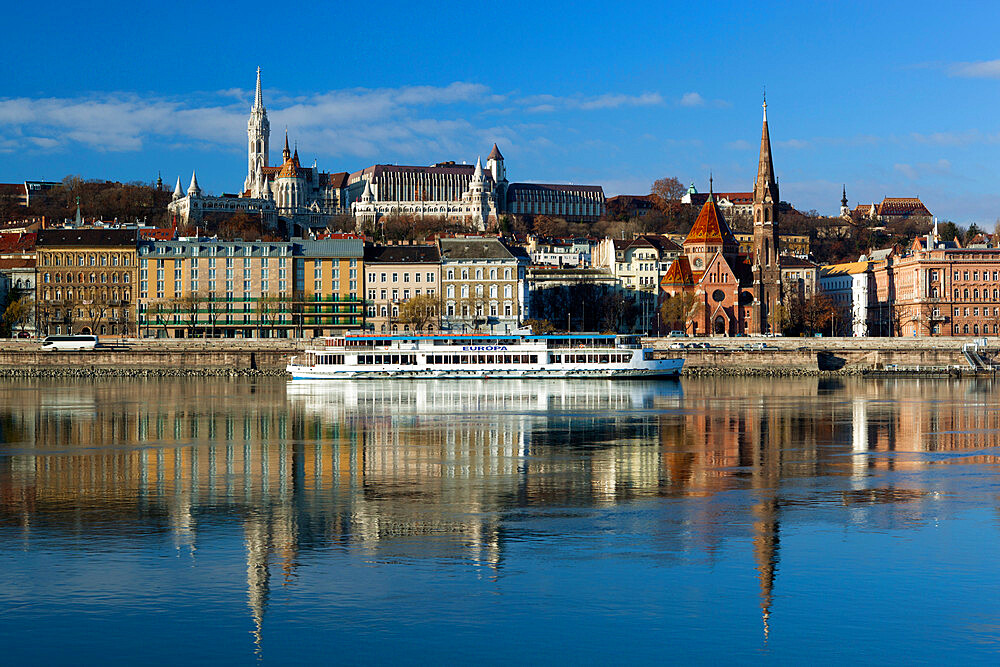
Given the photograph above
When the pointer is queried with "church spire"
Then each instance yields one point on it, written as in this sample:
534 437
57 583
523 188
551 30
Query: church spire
258 100
285 154
765 167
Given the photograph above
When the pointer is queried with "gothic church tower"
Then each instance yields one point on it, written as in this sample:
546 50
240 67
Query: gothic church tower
258 137
765 262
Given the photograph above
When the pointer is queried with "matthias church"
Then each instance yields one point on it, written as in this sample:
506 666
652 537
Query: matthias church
302 198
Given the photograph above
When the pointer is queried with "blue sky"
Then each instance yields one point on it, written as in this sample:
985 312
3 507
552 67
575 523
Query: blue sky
891 98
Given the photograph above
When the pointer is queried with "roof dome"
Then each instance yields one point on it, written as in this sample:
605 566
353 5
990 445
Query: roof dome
291 167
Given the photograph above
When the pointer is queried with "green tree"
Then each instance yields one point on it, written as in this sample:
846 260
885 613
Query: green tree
17 314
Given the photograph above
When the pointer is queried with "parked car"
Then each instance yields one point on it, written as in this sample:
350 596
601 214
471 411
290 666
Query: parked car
677 346
677 334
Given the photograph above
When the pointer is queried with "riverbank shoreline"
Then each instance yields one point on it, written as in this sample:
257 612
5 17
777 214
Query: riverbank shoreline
746 357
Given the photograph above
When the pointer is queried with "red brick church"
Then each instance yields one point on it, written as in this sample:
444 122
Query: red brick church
734 293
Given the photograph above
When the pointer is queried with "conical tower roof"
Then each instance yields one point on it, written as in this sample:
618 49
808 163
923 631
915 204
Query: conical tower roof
178 192
765 166
258 100
494 154
193 189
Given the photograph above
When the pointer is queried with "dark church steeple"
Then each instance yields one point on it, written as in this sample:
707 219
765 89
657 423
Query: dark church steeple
765 262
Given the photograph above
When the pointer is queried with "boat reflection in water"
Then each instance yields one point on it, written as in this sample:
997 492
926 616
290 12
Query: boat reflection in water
394 397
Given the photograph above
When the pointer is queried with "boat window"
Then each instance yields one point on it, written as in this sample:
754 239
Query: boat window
534 359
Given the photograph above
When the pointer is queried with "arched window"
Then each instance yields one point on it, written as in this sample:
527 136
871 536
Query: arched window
965 293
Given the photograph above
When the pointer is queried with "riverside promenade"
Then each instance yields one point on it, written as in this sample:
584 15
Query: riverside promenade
724 356
801 356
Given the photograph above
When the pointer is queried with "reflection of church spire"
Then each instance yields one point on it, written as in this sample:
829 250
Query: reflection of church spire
765 554
258 576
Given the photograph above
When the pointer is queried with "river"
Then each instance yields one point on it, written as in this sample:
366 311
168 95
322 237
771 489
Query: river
702 520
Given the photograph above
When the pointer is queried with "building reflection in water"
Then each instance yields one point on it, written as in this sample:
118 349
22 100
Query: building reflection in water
438 469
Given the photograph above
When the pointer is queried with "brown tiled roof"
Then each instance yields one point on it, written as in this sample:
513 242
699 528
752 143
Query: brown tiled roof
87 237
18 263
494 154
443 168
164 234
679 273
15 242
711 227
661 243
402 254
902 206
338 180
291 168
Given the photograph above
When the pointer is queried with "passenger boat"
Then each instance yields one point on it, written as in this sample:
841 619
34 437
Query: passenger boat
585 355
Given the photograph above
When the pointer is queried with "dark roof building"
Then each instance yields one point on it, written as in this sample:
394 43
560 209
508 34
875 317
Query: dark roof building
87 237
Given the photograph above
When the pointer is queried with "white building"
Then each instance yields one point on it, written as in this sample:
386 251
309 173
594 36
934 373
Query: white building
193 207
851 287
465 192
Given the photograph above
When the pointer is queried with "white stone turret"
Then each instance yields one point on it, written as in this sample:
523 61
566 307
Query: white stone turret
193 189
258 139
366 196
178 193
477 176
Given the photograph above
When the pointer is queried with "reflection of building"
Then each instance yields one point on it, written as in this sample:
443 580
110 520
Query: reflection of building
86 279
444 473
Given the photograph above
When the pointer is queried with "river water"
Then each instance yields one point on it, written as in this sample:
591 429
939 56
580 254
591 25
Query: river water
706 520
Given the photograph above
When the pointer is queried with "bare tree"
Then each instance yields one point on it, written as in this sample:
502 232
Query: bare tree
668 188
160 313
418 311
678 310
270 309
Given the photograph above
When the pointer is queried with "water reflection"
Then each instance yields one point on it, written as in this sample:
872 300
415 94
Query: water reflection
404 471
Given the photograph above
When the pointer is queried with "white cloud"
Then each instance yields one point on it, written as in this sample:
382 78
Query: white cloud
692 100
361 122
983 69
739 145
794 144
920 170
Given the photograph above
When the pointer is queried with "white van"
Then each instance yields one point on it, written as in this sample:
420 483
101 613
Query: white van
76 342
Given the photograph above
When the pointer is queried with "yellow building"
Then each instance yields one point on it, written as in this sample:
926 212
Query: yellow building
249 289
85 281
